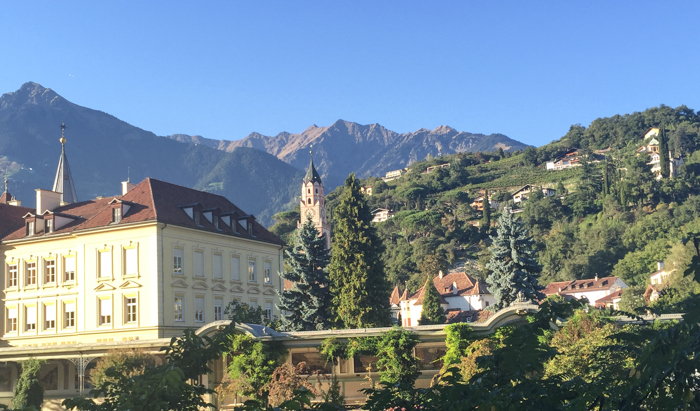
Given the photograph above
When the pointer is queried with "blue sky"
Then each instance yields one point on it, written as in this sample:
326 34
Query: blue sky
527 69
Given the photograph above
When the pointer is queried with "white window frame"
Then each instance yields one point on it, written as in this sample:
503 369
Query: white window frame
218 308
179 301
12 317
49 324
131 309
199 310
12 274
50 270
177 260
69 316
252 271
67 274
28 272
268 272
30 324
105 315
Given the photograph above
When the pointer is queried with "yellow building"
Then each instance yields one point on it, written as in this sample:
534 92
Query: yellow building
143 265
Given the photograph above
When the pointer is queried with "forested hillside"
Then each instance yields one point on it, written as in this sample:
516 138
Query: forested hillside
609 217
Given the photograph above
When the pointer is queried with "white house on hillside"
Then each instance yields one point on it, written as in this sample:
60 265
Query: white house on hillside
593 289
458 293
524 193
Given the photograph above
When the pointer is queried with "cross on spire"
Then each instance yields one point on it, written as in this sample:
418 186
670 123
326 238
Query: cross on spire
63 132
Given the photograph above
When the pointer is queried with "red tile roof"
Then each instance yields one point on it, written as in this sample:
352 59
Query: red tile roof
609 299
152 200
465 284
5 197
12 218
457 316
395 296
578 286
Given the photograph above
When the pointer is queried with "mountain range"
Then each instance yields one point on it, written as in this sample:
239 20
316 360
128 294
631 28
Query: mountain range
367 150
261 174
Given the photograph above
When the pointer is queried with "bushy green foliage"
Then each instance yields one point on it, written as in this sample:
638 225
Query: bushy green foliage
308 302
29 392
252 364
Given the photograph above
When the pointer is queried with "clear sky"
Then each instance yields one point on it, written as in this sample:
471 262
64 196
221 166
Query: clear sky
527 69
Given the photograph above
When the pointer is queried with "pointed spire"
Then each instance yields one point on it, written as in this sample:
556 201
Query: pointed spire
63 183
312 174
5 197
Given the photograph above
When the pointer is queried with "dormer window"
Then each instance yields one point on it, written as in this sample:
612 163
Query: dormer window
196 217
49 226
30 227
116 215
216 223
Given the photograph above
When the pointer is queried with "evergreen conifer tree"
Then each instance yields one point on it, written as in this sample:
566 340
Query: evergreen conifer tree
29 392
432 312
308 302
486 217
360 291
561 190
513 265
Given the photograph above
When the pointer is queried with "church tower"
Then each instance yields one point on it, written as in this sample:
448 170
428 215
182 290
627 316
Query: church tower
313 203
63 183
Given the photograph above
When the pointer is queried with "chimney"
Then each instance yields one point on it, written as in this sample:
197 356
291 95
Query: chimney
47 200
454 287
596 277
659 265
440 274
127 186
14 202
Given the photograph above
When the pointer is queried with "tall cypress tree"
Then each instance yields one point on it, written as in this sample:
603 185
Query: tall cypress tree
360 290
513 265
308 302
432 312
663 153
486 217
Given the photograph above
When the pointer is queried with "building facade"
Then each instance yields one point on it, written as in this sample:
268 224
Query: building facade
81 278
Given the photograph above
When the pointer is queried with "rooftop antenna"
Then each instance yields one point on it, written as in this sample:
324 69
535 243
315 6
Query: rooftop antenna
6 184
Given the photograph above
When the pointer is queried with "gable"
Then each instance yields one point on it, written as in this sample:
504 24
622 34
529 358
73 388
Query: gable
179 284
130 284
104 287
200 286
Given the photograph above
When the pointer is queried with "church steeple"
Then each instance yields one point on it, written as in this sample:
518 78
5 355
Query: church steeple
63 183
313 203
312 174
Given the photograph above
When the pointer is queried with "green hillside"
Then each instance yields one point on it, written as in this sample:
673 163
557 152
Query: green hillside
609 217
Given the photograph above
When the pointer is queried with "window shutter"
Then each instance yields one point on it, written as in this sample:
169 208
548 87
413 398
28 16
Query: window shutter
70 264
51 312
235 269
12 313
105 307
106 264
31 315
218 270
131 261
199 264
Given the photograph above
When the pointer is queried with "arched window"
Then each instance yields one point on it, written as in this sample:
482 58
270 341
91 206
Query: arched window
317 191
308 191
309 201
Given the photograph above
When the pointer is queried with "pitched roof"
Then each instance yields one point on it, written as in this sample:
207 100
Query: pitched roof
465 285
458 316
578 286
12 218
5 197
153 200
395 296
312 174
63 183
610 298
